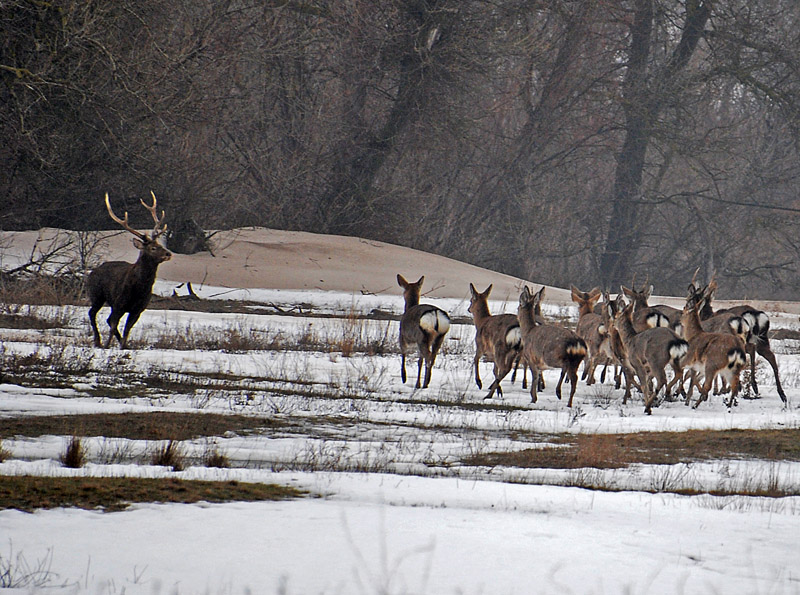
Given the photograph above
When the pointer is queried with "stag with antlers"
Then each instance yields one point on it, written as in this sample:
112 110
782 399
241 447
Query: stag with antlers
127 287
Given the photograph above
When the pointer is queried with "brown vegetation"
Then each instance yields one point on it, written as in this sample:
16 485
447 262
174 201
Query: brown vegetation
113 494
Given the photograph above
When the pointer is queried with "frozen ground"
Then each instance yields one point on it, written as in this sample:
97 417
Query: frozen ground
392 508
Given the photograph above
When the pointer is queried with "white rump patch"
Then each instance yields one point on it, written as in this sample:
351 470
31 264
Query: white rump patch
514 337
435 321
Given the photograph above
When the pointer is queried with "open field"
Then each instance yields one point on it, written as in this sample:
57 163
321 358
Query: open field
359 483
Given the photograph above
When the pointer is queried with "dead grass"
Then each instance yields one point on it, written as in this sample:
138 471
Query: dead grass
169 454
605 451
156 425
74 456
113 494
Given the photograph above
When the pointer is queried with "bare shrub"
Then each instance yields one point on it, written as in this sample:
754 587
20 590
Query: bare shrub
74 456
17 573
170 454
4 453
115 450
213 457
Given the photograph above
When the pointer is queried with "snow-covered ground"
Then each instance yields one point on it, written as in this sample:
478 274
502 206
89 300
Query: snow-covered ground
392 507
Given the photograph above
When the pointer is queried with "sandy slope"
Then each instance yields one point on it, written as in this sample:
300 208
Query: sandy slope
269 258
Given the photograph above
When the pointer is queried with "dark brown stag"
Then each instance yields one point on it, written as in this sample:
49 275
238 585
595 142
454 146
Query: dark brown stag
127 287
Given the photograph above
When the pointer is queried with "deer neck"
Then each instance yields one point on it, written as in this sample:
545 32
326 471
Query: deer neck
480 311
525 316
585 308
411 298
624 328
706 311
146 266
691 323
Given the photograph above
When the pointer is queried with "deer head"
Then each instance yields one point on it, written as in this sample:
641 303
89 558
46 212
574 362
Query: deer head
146 244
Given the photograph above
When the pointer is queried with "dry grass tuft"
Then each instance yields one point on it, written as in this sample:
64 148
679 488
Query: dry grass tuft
170 454
213 457
74 456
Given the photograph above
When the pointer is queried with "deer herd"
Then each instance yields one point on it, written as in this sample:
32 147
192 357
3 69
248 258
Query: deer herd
702 347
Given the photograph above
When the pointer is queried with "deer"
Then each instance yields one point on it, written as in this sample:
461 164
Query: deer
127 287
423 326
547 346
725 322
645 316
497 337
710 354
610 310
593 331
757 340
648 353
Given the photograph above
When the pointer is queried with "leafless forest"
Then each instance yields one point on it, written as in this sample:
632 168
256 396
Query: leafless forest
562 141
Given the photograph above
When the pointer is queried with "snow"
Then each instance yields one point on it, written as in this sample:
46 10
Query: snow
391 509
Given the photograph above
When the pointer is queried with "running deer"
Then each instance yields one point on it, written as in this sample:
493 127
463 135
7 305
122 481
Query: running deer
645 316
710 354
127 287
648 353
593 331
422 326
611 309
757 340
498 338
726 322
547 346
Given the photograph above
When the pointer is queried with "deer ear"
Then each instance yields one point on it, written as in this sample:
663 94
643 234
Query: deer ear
401 281
488 290
421 279
473 291
649 291
138 243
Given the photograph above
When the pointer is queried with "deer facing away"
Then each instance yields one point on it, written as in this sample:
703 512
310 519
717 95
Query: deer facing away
710 354
649 352
548 346
127 287
593 331
757 340
422 326
497 337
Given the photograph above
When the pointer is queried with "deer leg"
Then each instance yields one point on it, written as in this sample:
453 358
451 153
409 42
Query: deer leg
708 383
500 372
560 380
534 384
477 371
750 348
431 358
765 351
624 371
587 368
676 377
424 354
113 323
131 320
93 321
517 357
661 382
573 376
403 366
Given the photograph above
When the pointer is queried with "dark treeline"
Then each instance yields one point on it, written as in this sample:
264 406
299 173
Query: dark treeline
562 141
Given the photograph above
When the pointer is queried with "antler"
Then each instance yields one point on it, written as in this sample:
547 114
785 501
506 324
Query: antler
123 222
160 226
